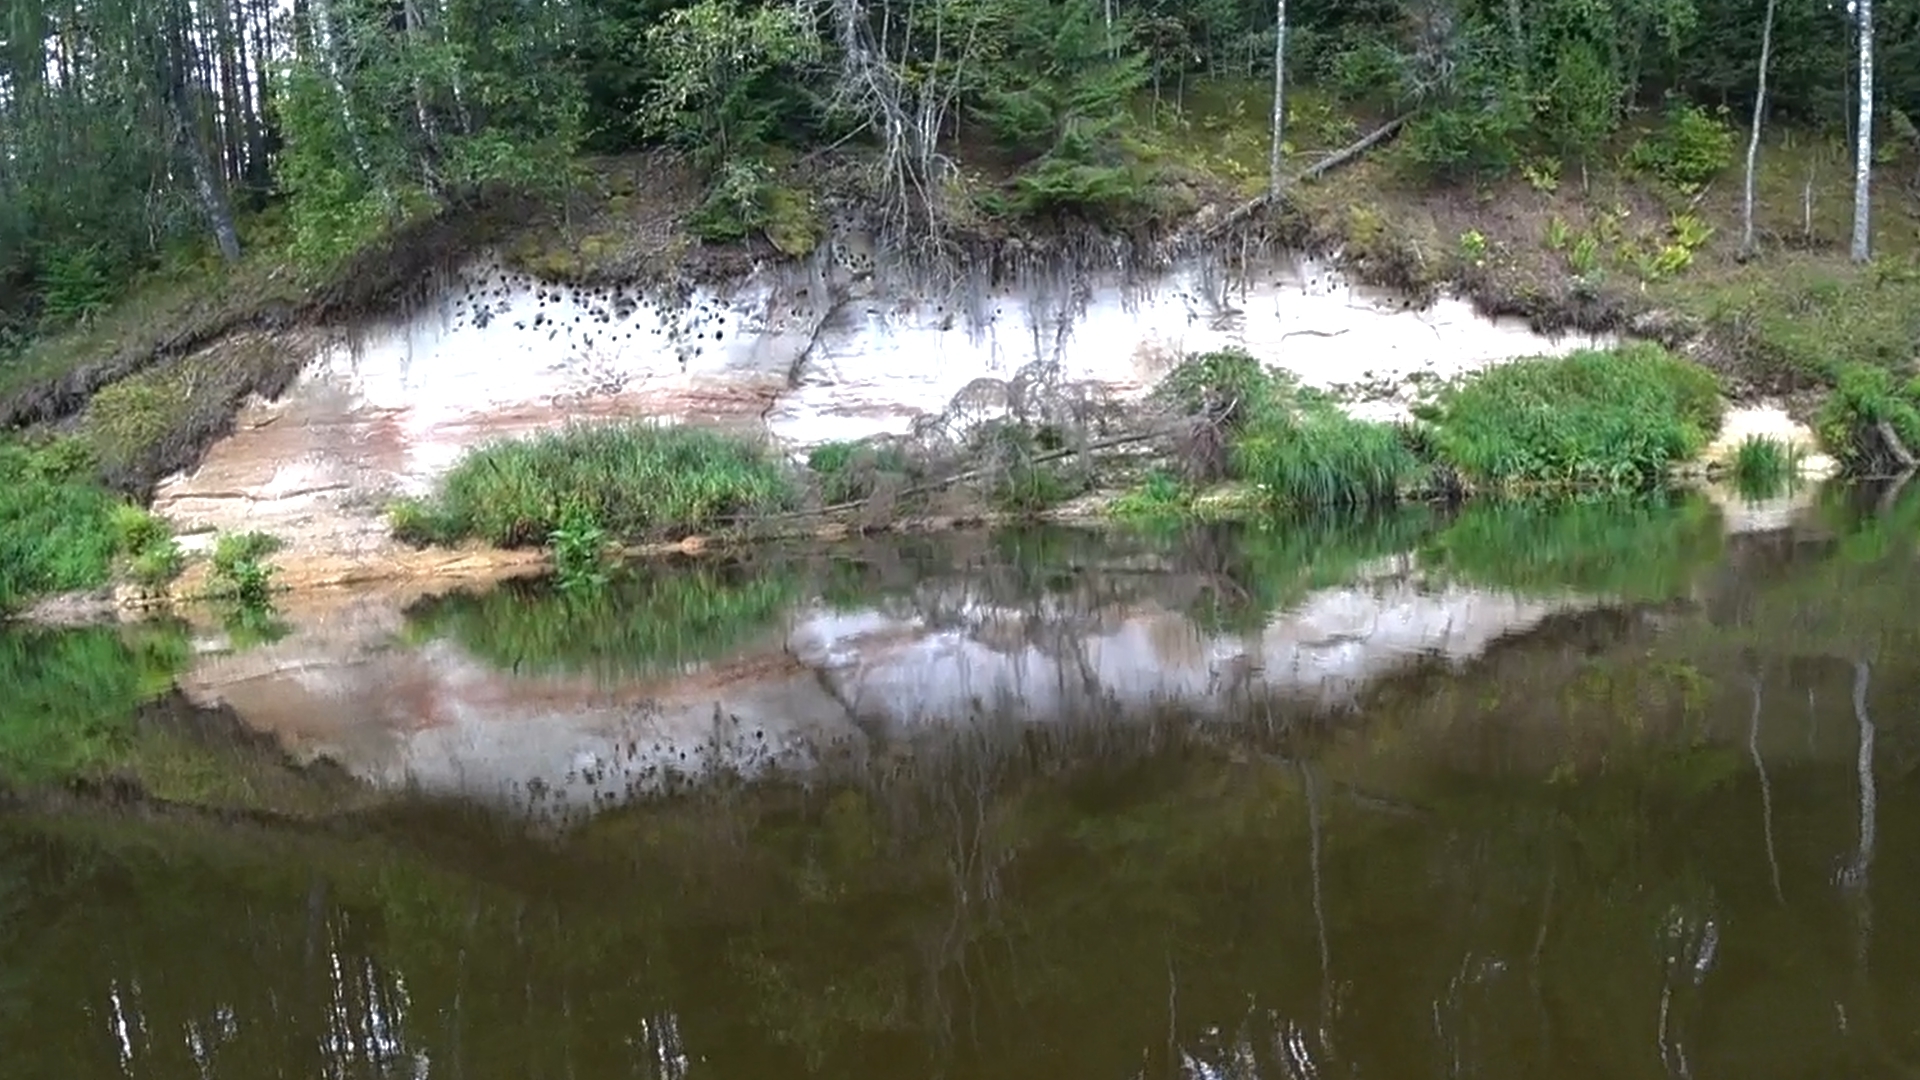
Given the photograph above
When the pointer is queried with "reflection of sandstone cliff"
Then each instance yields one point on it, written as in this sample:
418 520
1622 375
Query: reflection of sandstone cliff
821 685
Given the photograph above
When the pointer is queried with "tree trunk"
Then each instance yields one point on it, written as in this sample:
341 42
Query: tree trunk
1863 138
187 136
1753 137
1279 98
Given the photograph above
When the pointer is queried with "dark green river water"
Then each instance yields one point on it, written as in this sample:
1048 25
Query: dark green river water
1606 791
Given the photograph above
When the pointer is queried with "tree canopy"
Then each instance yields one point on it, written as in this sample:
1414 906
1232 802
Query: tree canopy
132 130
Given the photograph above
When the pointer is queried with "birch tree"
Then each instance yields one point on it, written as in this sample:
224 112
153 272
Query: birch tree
1279 97
1753 136
1863 136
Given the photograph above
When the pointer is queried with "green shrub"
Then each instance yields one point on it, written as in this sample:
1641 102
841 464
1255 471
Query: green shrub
850 471
1863 397
579 549
240 572
1321 457
56 525
1689 148
1612 420
1229 384
1762 466
635 479
1159 497
152 556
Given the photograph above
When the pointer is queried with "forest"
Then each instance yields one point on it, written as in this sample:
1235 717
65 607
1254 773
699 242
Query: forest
132 131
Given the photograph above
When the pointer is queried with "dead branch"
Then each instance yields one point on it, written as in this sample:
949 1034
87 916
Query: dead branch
975 474
1312 172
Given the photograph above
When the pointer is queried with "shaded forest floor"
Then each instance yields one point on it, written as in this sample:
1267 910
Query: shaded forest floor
154 380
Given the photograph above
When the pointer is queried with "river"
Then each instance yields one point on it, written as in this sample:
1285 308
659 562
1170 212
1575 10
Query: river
1607 790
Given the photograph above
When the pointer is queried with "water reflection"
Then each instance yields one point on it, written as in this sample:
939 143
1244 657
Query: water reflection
566 704
1176 910
1093 811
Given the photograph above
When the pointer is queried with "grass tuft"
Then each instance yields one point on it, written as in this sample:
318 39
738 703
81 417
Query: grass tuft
1321 457
635 480
1764 466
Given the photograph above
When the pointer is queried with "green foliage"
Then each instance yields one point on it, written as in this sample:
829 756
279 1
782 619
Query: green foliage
1863 398
1763 466
1689 148
579 549
56 524
240 571
153 555
642 622
1060 97
1477 117
1230 384
1160 497
636 480
851 471
78 284
67 696
718 69
1641 548
1608 420
1320 457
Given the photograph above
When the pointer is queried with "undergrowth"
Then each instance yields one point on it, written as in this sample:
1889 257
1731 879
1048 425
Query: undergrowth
1865 397
636 480
1614 420
57 531
240 572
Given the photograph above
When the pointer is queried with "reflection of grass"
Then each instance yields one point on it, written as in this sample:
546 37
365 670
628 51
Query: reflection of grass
639 623
67 697
1261 570
1642 548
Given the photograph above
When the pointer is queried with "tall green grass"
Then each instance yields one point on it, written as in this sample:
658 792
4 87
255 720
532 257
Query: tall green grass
1319 457
1295 446
1615 420
57 530
635 480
